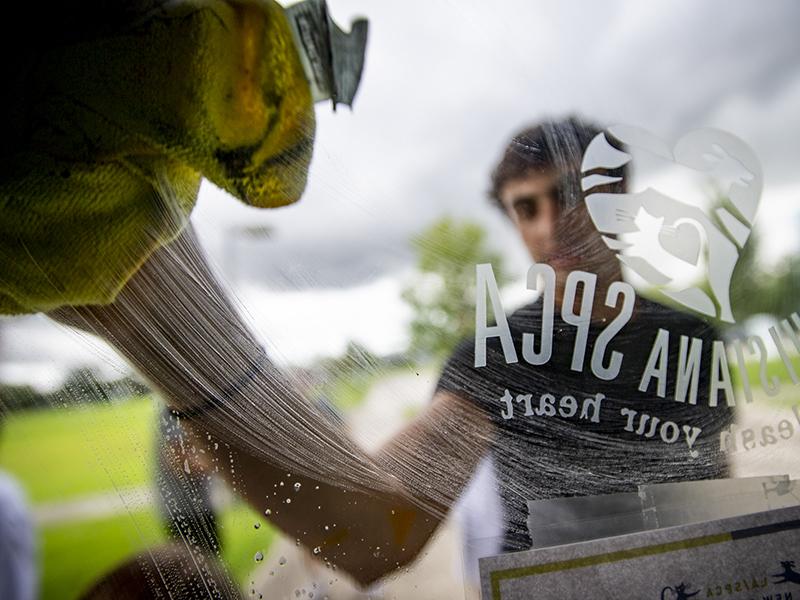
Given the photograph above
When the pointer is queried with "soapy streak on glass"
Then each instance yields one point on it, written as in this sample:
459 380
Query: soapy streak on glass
175 325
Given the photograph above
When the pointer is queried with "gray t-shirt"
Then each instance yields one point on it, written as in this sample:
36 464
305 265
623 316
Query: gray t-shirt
552 455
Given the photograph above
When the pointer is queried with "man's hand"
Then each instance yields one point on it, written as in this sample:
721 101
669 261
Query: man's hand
112 123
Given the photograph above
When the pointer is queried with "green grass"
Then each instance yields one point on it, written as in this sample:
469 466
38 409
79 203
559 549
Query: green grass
75 554
789 394
63 454
775 366
59 454
241 540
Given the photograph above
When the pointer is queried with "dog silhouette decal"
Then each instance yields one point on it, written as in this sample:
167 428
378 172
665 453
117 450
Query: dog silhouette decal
789 575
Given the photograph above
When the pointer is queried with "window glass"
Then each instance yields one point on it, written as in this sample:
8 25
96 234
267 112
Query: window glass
334 300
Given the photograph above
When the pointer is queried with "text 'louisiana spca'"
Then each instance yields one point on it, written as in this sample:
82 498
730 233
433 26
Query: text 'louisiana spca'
606 363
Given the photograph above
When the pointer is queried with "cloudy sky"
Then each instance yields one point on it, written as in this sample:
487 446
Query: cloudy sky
445 85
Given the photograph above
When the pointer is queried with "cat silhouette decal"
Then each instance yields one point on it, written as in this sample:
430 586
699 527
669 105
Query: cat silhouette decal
685 246
677 593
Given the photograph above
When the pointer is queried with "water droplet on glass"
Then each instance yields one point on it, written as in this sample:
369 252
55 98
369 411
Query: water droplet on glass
256 525
259 556
297 486
282 561
317 550
288 501
268 512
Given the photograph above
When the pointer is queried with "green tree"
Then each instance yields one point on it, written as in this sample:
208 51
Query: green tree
760 289
442 295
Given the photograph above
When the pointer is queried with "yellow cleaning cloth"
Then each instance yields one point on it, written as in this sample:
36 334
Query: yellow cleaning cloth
113 120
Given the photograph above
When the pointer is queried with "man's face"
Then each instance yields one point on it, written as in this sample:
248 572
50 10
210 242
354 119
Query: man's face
532 204
565 240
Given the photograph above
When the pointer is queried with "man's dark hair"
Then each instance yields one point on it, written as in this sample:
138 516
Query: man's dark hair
552 145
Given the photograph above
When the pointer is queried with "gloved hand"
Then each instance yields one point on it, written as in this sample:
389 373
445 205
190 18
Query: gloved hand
115 111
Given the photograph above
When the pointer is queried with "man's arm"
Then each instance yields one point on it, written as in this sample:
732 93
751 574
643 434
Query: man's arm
367 514
370 533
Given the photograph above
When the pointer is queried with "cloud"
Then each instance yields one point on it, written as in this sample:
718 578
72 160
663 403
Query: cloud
446 84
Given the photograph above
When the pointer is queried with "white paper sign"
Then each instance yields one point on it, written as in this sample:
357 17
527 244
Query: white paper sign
741 558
